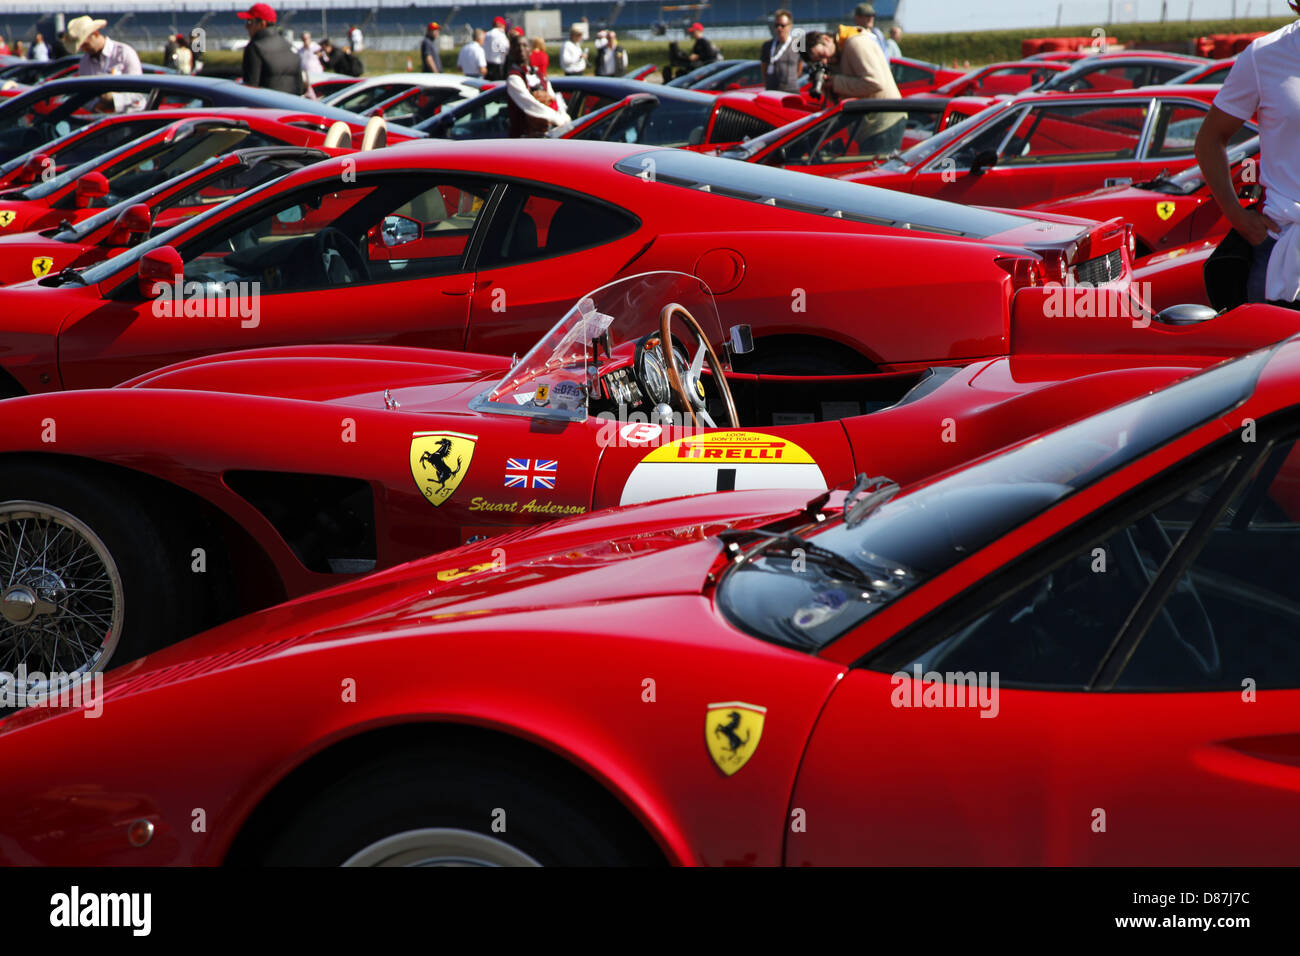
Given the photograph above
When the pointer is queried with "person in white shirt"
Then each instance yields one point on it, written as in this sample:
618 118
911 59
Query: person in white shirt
573 58
496 45
472 61
309 57
39 50
892 49
354 36
101 56
1265 81
528 94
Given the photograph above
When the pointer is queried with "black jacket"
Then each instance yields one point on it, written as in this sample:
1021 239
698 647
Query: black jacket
269 62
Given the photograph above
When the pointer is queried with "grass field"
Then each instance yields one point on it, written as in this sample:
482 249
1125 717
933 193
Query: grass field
980 47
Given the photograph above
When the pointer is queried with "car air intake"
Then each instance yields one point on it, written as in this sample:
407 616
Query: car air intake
732 126
1101 269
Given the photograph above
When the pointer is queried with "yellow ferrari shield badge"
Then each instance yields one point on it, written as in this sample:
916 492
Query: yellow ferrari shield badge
1164 209
732 731
439 461
6 217
41 265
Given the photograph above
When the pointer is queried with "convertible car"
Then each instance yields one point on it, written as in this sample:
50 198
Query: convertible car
230 483
1044 146
481 246
155 210
754 678
192 137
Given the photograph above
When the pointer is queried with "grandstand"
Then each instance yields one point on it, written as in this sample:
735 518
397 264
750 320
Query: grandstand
389 25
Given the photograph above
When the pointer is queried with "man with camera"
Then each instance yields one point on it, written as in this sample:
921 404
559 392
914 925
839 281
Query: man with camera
853 65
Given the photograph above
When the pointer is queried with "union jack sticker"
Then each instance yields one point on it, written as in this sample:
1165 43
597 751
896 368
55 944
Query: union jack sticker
531 473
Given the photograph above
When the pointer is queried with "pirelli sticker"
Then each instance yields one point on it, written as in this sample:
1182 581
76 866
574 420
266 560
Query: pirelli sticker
721 461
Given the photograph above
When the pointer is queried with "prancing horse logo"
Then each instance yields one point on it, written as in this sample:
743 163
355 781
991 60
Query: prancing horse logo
732 731
436 450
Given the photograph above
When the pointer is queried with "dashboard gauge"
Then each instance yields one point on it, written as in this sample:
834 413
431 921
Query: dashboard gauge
650 371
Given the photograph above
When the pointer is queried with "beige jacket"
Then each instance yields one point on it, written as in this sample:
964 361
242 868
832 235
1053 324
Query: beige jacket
863 70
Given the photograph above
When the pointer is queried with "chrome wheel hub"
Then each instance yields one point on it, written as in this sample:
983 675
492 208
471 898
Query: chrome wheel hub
442 846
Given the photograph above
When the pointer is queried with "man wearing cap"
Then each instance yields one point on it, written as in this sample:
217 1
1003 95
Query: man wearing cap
703 51
496 45
101 56
269 61
429 56
864 15
573 58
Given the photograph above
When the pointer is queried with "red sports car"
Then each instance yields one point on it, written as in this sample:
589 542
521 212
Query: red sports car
133 516
1121 70
150 213
1167 211
150 159
480 246
754 678
1044 146
81 145
1000 79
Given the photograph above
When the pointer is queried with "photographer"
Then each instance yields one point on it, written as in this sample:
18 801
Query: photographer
853 65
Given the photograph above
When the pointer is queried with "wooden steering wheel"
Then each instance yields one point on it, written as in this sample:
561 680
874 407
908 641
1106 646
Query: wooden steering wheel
691 390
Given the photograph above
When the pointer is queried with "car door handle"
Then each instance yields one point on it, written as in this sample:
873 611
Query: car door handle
1119 181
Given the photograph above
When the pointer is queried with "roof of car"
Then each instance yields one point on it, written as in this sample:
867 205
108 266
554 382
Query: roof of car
904 104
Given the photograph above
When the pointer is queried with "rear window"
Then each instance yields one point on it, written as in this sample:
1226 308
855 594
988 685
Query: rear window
818 195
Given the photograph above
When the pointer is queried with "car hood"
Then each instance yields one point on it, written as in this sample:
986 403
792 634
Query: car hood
365 376
649 550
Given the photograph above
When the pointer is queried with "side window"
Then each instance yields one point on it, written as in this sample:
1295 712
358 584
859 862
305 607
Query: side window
988 138
381 230
1176 127
537 225
1235 613
905 73
799 151
489 120
1056 630
104 140
1082 133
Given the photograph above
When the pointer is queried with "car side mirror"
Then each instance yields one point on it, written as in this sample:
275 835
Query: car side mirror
135 220
1189 313
399 230
89 188
33 169
159 269
984 159
741 339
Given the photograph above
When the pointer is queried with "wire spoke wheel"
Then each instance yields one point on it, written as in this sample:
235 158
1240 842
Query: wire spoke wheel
61 595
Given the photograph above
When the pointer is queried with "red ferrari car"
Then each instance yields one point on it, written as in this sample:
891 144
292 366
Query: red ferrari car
152 212
811 666
1000 79
233 482
919 76
480 246
81 145
1167 211
150 159
1121 70
1044 146
839 140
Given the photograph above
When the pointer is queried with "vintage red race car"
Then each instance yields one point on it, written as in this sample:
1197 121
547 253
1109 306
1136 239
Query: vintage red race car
133 516
109 231
1167 211
1044 146
797 670
148 160
480 246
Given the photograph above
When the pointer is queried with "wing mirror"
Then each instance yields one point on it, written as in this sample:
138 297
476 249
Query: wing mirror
984 159
159 267
89 188
135 220
1189 313
741 339
33 169
399 230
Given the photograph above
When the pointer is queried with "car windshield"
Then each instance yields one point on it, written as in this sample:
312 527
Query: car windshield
922 151
686 80
752 147
589 352
806 592
1191 179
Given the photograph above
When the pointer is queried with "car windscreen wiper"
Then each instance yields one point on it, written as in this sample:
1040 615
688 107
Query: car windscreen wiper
70 274
867 495
789 544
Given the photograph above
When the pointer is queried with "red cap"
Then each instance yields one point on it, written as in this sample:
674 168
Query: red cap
518 31
695 26
258 11
180 36
498 21
433 25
